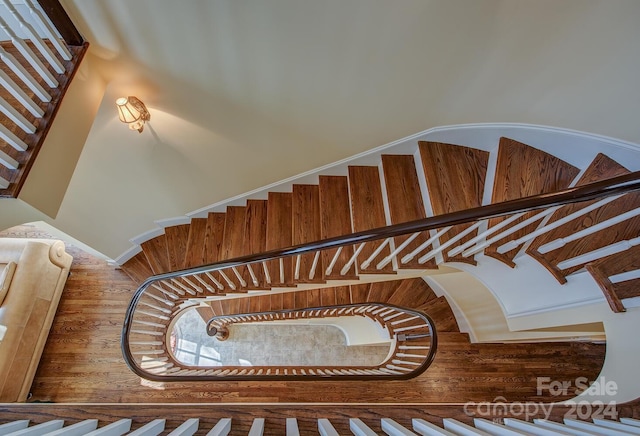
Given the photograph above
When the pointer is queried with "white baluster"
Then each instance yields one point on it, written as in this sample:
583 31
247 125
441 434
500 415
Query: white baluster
267 276
193 285
333 261
214 280
582 425
292 427
29 55
7 160
623 277
207 286
48 29
222 428
530 428
4 183
426 428
542 230
173 288
13 426
397 250
449 243
425 244
153 428
461 428
359 428
239 276
187 428
183 286
226 279
509 231
16 116
484 234
314 265
561 242
325 428
35 38
10 138
24 75
257 428
496 429
392 428
22 97
375 254
254 279
40 429
618 247
353 258
78 429
281 263
296 274
164 291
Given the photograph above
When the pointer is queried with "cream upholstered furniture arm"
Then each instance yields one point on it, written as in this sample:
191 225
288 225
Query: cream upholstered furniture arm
28 309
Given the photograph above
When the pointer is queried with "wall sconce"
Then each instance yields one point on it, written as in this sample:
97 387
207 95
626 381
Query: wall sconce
132 112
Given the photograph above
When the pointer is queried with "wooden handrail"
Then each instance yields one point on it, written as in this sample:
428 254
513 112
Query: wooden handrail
605 188
614 186
62 22
424 333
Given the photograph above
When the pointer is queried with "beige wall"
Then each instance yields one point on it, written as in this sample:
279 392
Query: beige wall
49 178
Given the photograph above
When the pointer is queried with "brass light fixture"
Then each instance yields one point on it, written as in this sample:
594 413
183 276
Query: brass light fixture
132 112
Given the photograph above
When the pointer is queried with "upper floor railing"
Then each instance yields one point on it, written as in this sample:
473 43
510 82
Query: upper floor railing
40 52
160 298
409 350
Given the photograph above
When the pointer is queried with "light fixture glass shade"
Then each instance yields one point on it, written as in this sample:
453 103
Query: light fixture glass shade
132 112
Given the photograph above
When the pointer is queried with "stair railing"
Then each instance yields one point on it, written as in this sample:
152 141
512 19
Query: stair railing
160 297
37 67
413 344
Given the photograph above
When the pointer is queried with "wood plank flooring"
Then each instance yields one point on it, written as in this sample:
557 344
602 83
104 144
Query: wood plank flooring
82 360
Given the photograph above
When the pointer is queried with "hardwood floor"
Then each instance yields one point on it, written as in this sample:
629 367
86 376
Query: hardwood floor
82 361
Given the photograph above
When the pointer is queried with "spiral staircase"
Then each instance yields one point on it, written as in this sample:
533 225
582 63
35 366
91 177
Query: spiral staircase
539 261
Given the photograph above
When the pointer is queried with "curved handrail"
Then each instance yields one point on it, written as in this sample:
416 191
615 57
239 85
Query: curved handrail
413 335
173 289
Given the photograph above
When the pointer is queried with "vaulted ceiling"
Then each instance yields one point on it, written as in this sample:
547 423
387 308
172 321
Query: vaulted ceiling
246 92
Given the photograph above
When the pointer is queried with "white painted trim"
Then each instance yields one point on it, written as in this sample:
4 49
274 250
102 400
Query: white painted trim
463 323
480 136
124 257
175 221
554 308
149 234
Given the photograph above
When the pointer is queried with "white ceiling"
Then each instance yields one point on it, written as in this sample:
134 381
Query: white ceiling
246 92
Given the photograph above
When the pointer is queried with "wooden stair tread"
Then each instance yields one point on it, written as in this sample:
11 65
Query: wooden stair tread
380 292
405 202
455 178
441 314
602 269
367 211
279 235
601 168
412 293
328 297
255 241
307 228
138 268
233 242
522 171
35 140
194 250
335 213
359 292
277 301
343 295
177 237
212 244
155 250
